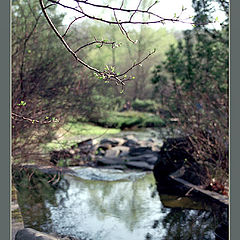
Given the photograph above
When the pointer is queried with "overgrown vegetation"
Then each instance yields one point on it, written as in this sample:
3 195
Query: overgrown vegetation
187 82
45 88
130 119
193 83
49 87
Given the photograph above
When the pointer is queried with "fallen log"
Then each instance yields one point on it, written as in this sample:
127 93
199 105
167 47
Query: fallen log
176 176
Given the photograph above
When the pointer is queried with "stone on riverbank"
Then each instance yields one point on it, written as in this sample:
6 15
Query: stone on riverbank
137 151
102 161
110 152
139 165
172 157
131 143
150 158
31 234
116 151
112 142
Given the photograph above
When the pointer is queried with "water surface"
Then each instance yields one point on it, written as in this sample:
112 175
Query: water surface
101 204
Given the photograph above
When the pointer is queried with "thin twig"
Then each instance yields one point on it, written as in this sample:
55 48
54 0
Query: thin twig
138 63
135 10
62 40
95 42
71 24
120 9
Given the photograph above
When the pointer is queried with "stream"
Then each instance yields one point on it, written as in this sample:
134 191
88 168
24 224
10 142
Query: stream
105 204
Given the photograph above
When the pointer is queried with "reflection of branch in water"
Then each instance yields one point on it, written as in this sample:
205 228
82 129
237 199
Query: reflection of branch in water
189 224
33 193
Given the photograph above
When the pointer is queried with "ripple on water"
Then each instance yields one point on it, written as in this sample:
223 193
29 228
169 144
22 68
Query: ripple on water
89 173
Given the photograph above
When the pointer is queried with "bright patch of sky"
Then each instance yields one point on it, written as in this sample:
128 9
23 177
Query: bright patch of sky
164 8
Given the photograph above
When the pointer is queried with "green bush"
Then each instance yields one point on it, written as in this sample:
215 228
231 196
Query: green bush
130 119
153 121
145 105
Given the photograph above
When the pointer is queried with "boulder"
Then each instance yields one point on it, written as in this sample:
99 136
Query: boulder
139 165
120 141
104 146
31 234
191 173
177 148
149 158
116 151
112 142
132 137
102 161
101 149
174 153
137 151
83 147
156 147
131 143
112 153
82 144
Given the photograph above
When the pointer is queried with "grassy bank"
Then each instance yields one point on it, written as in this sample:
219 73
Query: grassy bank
112 123
129 119
74 132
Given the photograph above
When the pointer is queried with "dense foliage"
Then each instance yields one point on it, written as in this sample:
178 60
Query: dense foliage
193 83
189 84
49 87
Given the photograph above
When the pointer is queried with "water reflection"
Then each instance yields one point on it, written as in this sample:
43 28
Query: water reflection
32 193
188 225
112 210
107 210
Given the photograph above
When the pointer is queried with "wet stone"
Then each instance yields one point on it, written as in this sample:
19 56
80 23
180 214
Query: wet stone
140 165
31 234
149 158
109 161
131 143
116 151
137 151
112 142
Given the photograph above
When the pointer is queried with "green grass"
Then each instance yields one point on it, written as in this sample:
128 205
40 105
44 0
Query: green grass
68 134
74 131
86 129
130 119
145 105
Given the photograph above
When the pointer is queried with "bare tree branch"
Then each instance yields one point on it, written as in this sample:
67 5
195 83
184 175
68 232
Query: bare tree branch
102 42
62 39
159 19
138 63
135 10
108 74
71 25
124 32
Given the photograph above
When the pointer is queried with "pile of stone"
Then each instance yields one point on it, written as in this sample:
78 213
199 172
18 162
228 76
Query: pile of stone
77 154
116 153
